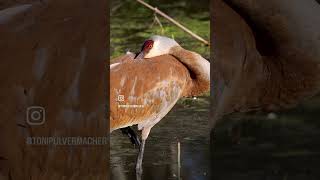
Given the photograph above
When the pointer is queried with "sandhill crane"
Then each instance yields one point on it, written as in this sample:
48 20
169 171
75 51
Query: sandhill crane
266 54
144 90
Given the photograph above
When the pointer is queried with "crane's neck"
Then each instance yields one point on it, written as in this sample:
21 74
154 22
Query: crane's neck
198 66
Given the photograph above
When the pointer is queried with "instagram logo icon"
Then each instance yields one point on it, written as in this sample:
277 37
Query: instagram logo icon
36 115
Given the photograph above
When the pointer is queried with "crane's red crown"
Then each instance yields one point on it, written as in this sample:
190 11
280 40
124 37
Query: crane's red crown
147 45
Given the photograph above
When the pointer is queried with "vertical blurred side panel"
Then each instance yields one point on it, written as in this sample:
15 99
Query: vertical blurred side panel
265 87
53 55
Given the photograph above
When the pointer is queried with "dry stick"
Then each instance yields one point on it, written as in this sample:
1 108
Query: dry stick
174 22
179 163
116 7
158 21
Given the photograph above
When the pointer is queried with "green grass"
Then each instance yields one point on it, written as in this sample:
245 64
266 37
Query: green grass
133 23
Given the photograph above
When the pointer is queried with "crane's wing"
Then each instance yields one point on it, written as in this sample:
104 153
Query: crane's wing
143 92
120 59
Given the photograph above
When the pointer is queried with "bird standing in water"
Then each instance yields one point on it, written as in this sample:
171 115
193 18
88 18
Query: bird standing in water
145 88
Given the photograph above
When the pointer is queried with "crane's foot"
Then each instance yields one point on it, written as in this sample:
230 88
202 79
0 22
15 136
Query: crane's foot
132 136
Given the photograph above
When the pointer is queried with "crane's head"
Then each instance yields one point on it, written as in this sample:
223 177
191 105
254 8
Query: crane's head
156 46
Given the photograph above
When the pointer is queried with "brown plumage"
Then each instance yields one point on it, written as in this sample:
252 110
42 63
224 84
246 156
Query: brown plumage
143 91
153 83
123 58
266 54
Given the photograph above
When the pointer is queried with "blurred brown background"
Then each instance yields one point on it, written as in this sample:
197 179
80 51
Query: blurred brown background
53 54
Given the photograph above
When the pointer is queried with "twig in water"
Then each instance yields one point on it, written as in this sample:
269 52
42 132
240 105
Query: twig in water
179 163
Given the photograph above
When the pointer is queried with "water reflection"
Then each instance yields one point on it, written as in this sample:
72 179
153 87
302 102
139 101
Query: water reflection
186 124
276 146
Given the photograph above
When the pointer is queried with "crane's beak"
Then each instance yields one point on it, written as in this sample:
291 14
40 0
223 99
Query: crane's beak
139 55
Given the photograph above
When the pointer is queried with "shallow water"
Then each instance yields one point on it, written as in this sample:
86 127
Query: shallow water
187 124
278 146
130 25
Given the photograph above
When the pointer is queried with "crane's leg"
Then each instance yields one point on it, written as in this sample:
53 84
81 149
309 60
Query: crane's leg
145 133
132 135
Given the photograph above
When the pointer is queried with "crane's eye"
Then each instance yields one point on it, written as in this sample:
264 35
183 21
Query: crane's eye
147 45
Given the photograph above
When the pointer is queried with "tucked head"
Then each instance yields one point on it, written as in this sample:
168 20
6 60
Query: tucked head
156 46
